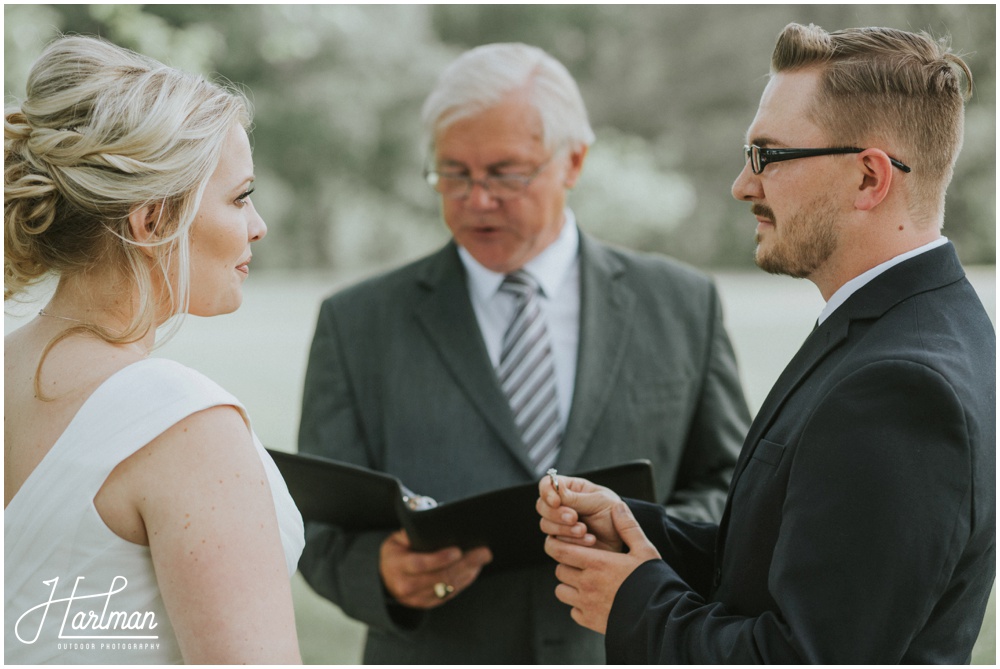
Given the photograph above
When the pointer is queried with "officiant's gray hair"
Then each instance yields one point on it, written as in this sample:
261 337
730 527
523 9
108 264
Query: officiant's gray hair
482 77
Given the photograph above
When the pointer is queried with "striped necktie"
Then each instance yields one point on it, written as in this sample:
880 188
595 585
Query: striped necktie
527 373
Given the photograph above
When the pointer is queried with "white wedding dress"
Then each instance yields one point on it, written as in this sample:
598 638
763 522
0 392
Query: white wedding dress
74 591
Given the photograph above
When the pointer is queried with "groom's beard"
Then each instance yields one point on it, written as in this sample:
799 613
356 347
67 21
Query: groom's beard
798 244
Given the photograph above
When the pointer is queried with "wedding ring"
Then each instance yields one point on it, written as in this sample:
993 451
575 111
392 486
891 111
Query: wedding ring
442 589
552 475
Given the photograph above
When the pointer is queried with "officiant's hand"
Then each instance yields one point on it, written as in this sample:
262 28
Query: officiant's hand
427 580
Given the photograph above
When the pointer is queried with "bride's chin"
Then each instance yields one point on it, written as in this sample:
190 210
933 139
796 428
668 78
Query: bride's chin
217 308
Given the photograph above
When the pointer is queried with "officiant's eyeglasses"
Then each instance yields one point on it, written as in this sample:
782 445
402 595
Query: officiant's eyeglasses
499 186
759 158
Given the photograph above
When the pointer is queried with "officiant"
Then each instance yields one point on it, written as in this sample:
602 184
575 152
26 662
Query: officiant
522 344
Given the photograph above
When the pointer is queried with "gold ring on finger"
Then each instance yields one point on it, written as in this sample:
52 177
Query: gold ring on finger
442 590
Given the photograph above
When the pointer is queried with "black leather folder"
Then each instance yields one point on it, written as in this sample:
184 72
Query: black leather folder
356 498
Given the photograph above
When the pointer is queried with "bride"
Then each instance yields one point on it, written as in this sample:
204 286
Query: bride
143 521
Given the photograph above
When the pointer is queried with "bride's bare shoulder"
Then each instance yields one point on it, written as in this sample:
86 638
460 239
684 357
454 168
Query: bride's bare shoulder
45 386
73 365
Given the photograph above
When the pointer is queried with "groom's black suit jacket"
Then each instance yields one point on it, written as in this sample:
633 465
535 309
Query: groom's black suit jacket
860 525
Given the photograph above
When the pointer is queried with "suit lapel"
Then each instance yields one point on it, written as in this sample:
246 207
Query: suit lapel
817 346
605 314
449 321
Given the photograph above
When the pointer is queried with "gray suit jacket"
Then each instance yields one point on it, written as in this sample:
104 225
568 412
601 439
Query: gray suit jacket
399 381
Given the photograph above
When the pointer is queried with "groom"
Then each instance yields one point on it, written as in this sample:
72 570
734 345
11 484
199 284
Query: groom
860 525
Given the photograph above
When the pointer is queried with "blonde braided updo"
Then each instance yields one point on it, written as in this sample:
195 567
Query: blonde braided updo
104 132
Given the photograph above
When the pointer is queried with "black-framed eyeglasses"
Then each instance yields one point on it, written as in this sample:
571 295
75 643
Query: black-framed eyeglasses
499 186
759 158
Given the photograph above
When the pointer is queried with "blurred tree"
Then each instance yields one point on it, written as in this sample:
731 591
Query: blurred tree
26 29
670 89
337 90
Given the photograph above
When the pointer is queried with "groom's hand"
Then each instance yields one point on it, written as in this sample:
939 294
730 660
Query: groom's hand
590 577
578 512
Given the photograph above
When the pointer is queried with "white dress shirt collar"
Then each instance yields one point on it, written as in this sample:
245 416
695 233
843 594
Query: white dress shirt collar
855 284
